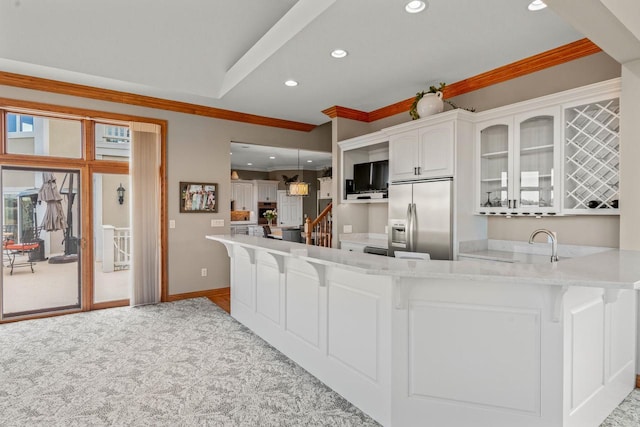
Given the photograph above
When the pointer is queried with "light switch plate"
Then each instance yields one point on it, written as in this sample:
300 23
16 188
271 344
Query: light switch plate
347 229
217 222
172 223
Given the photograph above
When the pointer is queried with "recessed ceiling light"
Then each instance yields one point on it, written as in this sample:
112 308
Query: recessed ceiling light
291 83
309 161
339 53
536 5
249 164
272 157
415 6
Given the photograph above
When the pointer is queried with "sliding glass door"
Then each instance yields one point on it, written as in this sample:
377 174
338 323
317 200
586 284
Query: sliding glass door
68 188
41 226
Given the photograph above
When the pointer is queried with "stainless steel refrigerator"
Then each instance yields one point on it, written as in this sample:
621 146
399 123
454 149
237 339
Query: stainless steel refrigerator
420 218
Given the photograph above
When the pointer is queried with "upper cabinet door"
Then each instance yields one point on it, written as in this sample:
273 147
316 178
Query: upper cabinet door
519 164
242 195
423 153
494 148
436 151
404 152
537 161
267 191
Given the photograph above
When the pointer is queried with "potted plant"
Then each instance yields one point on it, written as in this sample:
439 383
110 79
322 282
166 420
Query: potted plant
430 102
270 215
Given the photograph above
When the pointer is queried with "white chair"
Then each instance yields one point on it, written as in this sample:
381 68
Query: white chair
412 255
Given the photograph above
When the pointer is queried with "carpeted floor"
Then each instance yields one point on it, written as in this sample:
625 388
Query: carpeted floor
185 363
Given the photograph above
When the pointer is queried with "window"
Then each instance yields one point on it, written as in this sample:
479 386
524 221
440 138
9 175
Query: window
19 123
43 136
112 142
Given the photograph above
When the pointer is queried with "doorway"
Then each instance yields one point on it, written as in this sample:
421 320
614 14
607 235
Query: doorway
41 269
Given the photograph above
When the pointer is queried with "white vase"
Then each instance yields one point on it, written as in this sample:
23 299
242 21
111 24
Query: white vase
431 103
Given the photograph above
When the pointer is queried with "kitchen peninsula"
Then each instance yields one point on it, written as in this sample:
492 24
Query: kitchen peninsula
447 343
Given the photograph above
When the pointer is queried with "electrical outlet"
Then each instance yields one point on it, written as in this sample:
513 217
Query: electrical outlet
386 229
347 229
217 222
172 223
203 272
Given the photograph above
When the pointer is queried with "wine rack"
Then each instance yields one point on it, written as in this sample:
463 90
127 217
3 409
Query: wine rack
592 157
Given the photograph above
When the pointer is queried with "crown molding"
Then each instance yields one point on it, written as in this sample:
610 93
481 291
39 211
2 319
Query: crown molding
550 58
73 89
541 61
346 113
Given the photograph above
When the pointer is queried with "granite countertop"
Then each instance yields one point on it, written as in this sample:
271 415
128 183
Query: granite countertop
376 240
614 269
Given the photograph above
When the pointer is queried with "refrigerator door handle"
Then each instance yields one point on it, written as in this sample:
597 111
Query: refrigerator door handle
409 228
414 220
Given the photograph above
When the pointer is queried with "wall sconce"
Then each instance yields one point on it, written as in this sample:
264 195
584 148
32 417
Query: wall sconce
120 192
234 175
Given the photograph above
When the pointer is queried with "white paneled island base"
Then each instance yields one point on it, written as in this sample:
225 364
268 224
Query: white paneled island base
446 343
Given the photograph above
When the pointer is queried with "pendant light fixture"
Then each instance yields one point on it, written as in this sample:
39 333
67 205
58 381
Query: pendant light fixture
298 188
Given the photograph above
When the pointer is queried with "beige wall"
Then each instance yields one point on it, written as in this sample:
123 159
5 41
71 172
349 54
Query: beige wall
114 213
65 138
21 145
198 150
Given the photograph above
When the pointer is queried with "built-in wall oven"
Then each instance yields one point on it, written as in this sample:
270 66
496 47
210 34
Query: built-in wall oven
262 208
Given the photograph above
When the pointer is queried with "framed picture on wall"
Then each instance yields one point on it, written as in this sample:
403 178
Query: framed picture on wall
198 197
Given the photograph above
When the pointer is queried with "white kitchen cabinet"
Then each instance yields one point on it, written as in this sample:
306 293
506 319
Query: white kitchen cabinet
267 191
422 153
519 163
242 195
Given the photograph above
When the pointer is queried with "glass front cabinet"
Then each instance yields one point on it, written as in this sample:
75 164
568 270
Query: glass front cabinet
518 163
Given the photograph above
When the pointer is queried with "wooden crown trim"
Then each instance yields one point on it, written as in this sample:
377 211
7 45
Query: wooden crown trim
541 61
73 89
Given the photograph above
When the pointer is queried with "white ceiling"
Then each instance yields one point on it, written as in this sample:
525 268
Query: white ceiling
237 54
284 158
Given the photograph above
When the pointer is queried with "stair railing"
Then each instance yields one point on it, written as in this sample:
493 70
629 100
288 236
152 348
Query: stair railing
318 232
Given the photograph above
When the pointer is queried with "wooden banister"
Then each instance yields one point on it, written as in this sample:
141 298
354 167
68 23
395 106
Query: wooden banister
321 226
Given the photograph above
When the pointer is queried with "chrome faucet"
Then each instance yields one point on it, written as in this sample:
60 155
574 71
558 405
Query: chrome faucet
554 241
